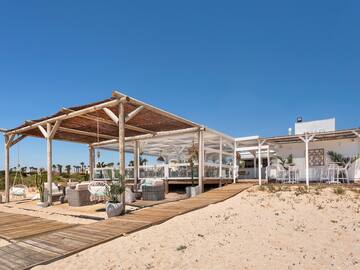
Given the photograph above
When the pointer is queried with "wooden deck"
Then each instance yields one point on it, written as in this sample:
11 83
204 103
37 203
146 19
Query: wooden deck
48 247
16 226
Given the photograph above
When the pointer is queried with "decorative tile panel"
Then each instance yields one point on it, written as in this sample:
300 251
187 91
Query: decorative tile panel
316 157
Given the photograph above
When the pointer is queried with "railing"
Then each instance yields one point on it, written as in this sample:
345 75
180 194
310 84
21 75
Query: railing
165 171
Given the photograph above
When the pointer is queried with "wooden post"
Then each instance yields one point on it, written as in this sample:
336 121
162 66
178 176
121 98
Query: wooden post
136 163
234 164
255 165
121 124
49 162
260 164
268 163
91 162
201 160
7 168
220 157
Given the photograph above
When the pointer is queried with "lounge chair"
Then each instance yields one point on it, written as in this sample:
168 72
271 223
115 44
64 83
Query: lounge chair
55 190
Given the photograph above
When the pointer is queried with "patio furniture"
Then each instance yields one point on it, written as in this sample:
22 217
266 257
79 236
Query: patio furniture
324 175
153 190
18 191
97 190
78 196
281 175
333 174
56 193
293 175
343 174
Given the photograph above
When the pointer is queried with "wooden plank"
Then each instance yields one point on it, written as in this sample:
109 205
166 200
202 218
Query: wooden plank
50 246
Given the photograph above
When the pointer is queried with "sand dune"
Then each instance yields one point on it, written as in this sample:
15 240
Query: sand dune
253 230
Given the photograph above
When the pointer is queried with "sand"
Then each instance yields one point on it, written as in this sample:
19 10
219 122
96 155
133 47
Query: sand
253 230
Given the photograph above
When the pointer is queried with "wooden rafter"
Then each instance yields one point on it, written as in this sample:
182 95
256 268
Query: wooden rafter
86 133
69 115
18 139
133 113
115 119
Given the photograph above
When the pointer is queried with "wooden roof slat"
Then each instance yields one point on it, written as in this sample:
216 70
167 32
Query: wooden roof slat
85 123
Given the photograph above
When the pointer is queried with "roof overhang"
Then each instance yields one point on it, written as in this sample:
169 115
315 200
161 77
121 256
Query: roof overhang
321 136
96 122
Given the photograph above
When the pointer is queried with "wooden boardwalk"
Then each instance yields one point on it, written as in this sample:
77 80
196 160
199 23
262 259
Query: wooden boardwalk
48 247
16 226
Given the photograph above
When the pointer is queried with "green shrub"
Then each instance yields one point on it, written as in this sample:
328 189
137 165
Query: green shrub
339 190
301 190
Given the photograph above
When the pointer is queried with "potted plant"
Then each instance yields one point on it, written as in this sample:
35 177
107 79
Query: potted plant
286 162
114 193
342 161
193 153
39 182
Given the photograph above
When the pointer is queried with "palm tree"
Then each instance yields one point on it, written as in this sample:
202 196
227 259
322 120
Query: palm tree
285 162
68 169
59 166
82 166
342 160
101 165
54 167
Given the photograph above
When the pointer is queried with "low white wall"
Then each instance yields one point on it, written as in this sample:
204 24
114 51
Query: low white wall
347 148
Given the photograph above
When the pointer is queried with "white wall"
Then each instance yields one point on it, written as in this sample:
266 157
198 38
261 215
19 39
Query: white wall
345 147
315 126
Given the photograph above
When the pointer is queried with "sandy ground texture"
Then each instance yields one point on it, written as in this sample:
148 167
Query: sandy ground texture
65 213
59 212
257 229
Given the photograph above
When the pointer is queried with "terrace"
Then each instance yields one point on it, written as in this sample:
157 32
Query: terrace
131 127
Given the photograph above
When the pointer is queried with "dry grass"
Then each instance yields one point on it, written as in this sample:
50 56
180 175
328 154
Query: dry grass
339 190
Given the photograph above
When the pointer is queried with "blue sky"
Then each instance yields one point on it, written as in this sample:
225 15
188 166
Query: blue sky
241 67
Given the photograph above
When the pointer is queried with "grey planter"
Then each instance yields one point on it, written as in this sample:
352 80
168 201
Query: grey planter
192 191
113 209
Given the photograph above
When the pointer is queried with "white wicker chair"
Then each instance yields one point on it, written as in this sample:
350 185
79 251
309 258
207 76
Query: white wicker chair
98 190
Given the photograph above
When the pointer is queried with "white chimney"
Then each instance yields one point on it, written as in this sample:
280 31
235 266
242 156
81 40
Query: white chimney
290 131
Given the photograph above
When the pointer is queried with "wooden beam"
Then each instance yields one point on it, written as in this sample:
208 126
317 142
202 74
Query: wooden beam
139 129
43 131
49 163
133 113
201 160
159 134
117 94
9 140
93 118
91 162
18 139
111 115
136 163
86 133
71 114
7 169
54 129
121 122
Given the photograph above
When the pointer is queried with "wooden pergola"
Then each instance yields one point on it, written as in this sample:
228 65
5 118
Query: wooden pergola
111 121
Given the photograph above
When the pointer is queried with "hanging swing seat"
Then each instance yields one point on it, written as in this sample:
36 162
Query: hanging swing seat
18 190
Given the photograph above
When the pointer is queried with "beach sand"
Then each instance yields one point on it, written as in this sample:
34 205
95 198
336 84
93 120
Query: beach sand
253 230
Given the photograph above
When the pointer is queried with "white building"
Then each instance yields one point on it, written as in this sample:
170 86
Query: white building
318 137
